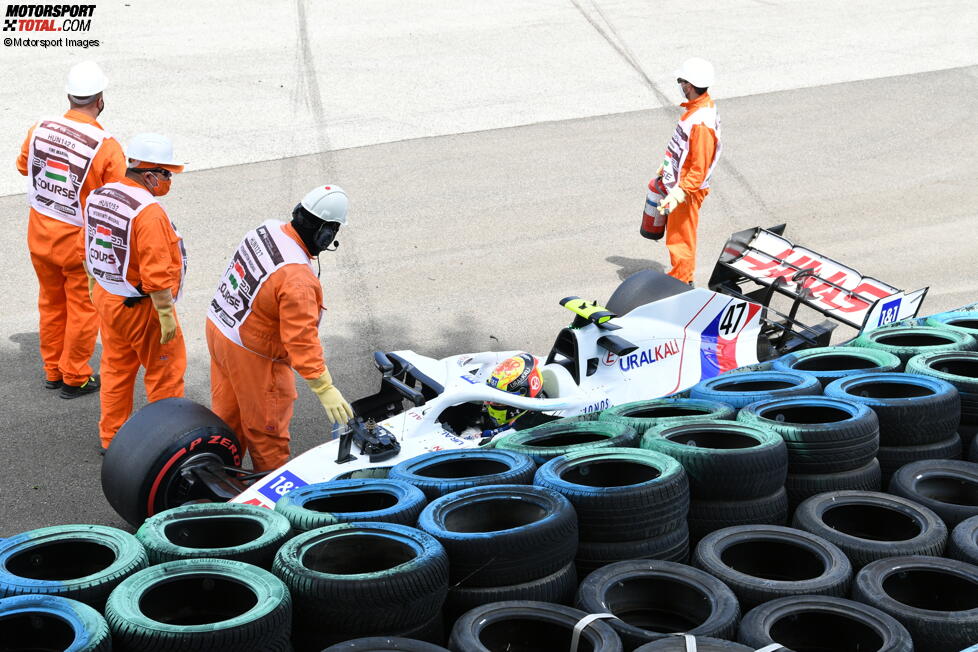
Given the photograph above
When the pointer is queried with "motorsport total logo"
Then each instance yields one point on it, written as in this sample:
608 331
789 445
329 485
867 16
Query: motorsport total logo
48 18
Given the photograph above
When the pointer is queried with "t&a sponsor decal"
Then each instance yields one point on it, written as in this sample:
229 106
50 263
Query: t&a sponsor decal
282 484
648 356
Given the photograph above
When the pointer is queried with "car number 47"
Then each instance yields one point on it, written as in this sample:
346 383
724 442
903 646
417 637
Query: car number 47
730 323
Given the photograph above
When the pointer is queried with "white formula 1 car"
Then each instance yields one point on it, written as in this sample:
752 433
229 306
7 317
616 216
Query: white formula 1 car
654 337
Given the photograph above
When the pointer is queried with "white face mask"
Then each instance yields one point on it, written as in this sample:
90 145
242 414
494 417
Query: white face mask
681 91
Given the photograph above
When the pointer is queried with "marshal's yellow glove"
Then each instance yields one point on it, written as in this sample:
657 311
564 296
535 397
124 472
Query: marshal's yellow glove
163 302
337 409
674 198
91 288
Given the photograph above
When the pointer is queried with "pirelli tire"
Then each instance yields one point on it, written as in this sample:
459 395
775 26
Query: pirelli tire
801 486
822 434
384 643
655 599
906 342
441 472
620 493
724 460
935 599
528 625
80 562
822 622
671 546
553 439
893 458
200 605
960 369
558 588
346 501
499 535
963 544
702 644
707 516
912 409
829 363
642 415
743 389
766 562
867 525
48 622
141 472
948 487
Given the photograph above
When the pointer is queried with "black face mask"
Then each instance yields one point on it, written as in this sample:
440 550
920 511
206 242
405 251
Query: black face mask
316 234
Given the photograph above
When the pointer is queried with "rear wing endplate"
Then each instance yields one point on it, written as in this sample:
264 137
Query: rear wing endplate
767 258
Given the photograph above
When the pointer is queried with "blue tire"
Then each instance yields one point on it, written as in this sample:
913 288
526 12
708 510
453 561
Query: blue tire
345 501
743 389
442 472
965 322
47 622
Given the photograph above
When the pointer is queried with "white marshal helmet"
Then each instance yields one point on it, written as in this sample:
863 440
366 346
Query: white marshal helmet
698 72
154 149
328 202
86 79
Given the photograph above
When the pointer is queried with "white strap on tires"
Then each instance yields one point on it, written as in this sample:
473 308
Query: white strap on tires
771 648
581 624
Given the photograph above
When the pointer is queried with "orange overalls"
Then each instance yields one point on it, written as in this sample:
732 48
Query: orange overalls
68 324
131 336
694 153
253 388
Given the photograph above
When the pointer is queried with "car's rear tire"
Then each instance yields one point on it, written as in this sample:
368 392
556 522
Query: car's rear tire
141 471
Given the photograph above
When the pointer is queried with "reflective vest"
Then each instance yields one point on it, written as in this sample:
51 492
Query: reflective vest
678 148
59 158
109 215
263 251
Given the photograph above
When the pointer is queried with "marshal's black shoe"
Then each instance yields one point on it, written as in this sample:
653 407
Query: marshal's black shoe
52 384
90 386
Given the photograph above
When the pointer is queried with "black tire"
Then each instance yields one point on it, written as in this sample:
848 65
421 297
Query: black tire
558 588
935 599
912 409
949 487
362 579
973 450
620 493
381 643
141 472
821 622
80 562
553 439
200 604
503 534
643 287
528 625
369 473
442 472
347 501
707 516
963 544
47 622
956 320
766 562
654 599
724 460
829 363
703 644
967 434
800 487
743 389
960 369
671 546
822 434
892 458
642 415
218 531
907 342
868 525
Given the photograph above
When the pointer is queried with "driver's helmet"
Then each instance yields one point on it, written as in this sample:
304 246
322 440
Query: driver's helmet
520 375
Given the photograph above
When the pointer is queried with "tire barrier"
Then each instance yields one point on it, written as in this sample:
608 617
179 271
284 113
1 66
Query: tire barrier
383 643
766 562
973 451
703 644
743 389
642 415
801 486
707 516
442 472
353 580
830 363
369 473
935 599
960 369
554 439
528 625
912 410
821 622
949 487
655 599
892 458
671 546
216 531
47 622
347 501
80 562
724 460
868 526
963 544
557 588
906 342
961 321
200 604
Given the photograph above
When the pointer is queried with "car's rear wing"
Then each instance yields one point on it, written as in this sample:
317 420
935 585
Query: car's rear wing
764 257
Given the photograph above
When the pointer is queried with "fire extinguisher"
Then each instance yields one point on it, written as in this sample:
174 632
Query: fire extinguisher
653 223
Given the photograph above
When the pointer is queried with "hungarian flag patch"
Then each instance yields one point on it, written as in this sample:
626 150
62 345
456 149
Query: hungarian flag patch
56 170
